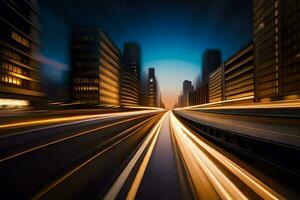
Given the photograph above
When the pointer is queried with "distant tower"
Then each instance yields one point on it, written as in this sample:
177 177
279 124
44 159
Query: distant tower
152 88
187 88
211 60
131 74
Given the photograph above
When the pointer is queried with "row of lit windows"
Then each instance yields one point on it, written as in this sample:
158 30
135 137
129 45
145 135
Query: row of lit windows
109 87
19 39
108 100
104 92
109 51
85 88
107 59
109 81
13 68
108 73
85 80
84 96
10 54
10 79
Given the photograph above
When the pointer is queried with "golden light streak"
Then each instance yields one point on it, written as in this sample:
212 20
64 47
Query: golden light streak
66 119
118 184
260 188
76 169
13 102
138 178
64 139
223 186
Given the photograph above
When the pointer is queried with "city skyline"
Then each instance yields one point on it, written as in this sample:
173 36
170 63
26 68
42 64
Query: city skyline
191 28
87 89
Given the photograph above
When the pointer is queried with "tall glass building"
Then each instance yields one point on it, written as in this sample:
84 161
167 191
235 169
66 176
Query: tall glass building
19 45
95 68
277 51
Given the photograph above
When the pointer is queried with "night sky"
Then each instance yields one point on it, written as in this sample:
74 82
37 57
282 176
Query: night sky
172 33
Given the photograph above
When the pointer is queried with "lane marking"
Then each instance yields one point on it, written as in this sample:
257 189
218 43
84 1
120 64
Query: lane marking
62 119
118 184
76 169
141 171
65 138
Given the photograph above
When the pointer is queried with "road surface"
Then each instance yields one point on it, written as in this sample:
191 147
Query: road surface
134 155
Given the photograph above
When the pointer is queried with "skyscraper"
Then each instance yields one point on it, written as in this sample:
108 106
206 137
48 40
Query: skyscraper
276 50
186 89
152 88
211 60
239 75
131 74
19 44
96 68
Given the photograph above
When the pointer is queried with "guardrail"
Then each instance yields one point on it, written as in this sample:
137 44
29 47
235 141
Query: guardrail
279 155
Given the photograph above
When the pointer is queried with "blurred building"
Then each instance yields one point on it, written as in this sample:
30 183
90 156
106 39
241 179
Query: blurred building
96 68
131 75
192 98
152 88
202 94
277 59
239 74
19 43
216 85
211 60
187 87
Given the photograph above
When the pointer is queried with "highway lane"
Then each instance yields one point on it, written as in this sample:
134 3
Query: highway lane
154 156
17 136
277 129
175 163
26 167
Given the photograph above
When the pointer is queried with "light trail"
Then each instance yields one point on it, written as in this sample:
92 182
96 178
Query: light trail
67 119
118 184
65 138
71 172
188 144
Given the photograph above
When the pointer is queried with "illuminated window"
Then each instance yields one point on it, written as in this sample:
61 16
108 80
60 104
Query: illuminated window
19 39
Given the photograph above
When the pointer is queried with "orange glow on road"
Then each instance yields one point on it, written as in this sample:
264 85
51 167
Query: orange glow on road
75 118
198 163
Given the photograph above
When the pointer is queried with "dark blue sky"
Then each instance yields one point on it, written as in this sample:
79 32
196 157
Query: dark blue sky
172 33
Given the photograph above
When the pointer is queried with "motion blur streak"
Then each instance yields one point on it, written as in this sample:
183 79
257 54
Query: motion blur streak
138 178
66 119
54 184
65 138
118 184
188 142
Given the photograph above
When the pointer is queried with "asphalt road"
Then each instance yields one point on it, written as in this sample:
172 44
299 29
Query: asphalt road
32 161
134 155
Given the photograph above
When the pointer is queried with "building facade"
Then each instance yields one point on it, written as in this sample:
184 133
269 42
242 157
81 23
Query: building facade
187 87
216 85
95 68
131 75
211 60
202 94
239 74
152 89
276 37
19 45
